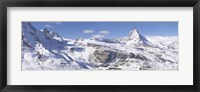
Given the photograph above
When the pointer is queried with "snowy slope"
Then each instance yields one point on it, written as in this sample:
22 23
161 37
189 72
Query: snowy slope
46 50
164 41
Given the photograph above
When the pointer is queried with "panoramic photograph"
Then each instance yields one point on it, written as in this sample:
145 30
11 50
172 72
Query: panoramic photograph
99 46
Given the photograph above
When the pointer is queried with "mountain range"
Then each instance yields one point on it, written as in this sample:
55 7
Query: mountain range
47 50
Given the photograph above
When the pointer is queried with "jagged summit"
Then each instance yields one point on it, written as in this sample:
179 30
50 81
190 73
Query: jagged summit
52 35
135 38
134 33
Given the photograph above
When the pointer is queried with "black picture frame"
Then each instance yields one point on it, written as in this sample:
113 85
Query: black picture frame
99 3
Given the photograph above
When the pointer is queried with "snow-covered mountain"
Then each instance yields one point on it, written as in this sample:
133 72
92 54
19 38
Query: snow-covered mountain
47 50
135 38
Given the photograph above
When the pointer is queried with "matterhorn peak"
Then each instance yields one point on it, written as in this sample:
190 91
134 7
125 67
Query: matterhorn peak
134 30
136 38
134 33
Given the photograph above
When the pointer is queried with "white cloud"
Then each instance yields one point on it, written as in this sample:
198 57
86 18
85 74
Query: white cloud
98 36
104 32
88 31
49 26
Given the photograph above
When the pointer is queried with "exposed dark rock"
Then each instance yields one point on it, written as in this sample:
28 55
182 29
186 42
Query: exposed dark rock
122 55
114 68
141 57
104 56
40 57
24 43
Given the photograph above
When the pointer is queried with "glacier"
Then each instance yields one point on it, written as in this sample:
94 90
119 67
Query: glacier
47 50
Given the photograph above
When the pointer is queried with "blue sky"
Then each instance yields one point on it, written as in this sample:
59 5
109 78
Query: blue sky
74 30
